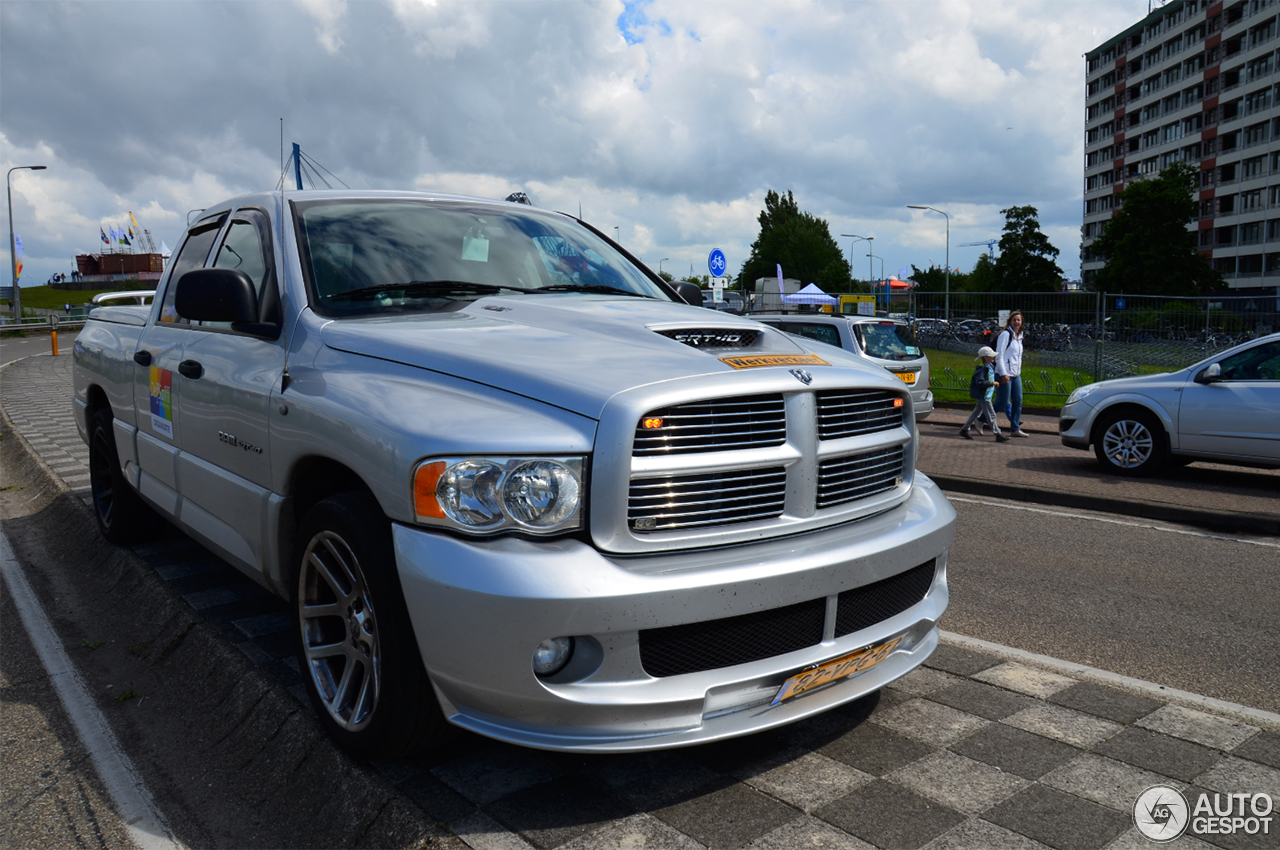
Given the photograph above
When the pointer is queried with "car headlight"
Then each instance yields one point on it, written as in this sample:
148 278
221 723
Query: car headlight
486 495
1079 393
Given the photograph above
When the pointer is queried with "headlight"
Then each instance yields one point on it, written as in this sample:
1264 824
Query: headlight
492 494
1080 392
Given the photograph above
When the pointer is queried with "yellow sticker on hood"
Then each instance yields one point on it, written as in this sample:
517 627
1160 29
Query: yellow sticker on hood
755 361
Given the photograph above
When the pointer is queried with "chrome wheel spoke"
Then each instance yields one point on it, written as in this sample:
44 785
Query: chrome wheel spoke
326 650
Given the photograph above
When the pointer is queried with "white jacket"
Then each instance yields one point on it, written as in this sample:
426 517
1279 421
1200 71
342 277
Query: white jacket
1008 353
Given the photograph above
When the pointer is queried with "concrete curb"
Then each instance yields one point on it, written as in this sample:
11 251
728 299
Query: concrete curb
1216 520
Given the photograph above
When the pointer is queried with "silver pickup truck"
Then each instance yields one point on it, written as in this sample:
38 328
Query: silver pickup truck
509 480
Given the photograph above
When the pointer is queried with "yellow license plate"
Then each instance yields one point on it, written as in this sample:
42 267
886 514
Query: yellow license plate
908 378
836 668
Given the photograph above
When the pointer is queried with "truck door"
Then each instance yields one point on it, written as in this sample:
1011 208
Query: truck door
227 380
158 383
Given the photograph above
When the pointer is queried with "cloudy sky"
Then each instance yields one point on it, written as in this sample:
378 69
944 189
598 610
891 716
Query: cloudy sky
666 120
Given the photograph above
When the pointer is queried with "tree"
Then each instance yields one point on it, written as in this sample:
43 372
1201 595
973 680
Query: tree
983 276
800 242
1026 261
1146 244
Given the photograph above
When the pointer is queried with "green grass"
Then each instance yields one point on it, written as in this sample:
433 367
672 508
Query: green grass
1032 381
48 298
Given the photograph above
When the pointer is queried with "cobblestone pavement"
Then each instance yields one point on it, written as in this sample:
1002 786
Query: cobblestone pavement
974 750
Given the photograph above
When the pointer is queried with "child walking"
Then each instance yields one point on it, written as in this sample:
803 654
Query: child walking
982 387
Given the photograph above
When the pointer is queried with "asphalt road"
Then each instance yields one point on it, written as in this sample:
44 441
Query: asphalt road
1169 604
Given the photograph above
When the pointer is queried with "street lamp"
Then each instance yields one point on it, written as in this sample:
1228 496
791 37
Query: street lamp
13 248
948 261
881 259
856 237
660 262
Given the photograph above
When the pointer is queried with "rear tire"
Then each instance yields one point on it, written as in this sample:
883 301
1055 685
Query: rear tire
354 641
122 516
1130 442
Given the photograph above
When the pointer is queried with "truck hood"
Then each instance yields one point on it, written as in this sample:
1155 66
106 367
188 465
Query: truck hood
573 351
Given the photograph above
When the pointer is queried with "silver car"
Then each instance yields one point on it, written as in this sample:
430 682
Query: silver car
885 342
1225 408
510 480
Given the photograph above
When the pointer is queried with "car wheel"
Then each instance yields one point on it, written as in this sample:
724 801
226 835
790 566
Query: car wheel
1130 442
355 644
122 515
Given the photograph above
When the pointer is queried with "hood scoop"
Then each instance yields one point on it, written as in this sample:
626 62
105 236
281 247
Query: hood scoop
717 338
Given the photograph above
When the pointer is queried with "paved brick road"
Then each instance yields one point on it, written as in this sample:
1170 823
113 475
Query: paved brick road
972 751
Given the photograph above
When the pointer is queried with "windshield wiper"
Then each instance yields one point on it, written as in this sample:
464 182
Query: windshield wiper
590 287
426 287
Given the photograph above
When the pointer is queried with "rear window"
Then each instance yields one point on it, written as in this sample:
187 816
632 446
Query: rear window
887 341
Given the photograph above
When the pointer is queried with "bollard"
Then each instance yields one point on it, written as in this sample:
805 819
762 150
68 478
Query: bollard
53 332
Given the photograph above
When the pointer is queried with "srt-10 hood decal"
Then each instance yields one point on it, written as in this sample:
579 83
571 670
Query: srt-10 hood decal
572 351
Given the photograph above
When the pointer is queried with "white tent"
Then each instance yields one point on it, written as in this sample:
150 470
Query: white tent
811 294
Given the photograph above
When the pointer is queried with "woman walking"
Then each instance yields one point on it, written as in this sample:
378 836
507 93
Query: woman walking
1009 373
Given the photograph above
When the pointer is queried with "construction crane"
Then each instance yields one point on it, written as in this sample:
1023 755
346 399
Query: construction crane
990 243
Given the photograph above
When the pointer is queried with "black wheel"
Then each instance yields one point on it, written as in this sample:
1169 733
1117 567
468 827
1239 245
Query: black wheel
355 644
1130 442
122 515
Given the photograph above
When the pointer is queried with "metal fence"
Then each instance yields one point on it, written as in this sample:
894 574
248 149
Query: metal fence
1073 338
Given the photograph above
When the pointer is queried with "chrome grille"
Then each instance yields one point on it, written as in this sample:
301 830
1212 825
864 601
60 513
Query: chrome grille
716 425
847 413
690 501
846 479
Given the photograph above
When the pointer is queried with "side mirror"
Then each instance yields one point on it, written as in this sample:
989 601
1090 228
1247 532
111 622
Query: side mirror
1210 374
216 295
689 291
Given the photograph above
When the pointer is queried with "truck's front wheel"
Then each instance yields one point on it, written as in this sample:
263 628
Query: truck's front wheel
354 640
122 515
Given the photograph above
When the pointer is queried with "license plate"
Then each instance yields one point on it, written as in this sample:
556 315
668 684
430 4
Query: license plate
836 668
908 378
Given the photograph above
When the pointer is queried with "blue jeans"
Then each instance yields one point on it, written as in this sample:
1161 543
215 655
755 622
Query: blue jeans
1009 399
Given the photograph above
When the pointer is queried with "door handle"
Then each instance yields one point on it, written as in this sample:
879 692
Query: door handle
191 368
142 358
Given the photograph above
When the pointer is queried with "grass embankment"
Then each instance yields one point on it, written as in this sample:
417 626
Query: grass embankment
48 298
1033 389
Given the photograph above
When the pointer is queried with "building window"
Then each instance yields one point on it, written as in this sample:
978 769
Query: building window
1273 196
1251 234
1273 229
1226 205
1251 200
1252 167
1255 134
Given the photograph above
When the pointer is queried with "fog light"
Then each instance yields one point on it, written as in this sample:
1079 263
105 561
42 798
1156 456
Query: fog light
551 655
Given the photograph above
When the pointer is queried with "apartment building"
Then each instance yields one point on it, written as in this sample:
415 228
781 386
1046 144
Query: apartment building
1196 82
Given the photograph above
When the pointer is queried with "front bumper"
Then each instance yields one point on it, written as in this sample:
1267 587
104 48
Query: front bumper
922 401
1074 423
480 607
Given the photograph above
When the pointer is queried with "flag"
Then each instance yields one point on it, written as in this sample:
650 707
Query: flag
115 237
17 255
124 240
781 291
105 240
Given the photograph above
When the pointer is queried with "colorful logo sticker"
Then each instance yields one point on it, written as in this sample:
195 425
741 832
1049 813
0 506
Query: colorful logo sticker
162 401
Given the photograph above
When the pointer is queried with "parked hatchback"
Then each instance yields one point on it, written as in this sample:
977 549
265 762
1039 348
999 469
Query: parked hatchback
1225 408
889 343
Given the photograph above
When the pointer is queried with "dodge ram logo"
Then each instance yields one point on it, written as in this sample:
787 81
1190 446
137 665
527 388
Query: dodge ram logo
802 376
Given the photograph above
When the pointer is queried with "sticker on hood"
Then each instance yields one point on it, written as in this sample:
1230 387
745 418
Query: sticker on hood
755 361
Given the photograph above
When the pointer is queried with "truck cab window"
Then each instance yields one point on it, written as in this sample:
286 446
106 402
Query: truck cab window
191 255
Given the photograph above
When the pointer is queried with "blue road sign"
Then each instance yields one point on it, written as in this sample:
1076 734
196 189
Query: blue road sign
1119 303
717 263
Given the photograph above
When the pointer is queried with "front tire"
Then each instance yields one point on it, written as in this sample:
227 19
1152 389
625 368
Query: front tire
1130 442
122 516
354 641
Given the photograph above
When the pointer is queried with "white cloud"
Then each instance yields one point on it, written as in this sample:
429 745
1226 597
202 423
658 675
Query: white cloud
671 132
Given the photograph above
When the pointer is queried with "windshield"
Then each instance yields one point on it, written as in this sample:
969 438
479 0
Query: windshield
886 341
373 256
